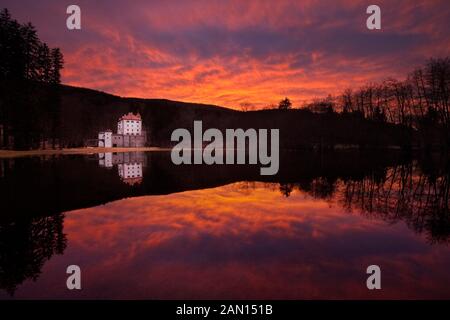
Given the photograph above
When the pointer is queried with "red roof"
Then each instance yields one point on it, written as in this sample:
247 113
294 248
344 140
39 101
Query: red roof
131 116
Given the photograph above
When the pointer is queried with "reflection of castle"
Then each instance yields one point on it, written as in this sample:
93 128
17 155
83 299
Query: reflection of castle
130 133
131 173
130 165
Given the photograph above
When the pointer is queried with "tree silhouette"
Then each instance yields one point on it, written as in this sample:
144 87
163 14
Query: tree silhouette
57 63
29 79
285 104
420 103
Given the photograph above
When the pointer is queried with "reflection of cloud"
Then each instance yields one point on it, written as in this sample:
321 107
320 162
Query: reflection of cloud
228 242
239 51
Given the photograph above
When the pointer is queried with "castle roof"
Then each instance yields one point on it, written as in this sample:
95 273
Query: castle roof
132 181
131 116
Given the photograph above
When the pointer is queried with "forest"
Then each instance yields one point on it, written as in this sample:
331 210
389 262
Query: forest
29 115
420 102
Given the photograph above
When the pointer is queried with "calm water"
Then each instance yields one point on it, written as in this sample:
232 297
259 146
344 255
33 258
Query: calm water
140 227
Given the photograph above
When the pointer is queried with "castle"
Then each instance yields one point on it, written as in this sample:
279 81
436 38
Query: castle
130 133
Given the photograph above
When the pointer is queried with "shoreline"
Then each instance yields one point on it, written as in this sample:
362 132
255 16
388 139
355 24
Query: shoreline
94 150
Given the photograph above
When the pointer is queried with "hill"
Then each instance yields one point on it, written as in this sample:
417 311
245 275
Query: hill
85 112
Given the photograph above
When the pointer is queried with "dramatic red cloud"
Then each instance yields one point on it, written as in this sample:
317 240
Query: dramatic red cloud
231 52
243 240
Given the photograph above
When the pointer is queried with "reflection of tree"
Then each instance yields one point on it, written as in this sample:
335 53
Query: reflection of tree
417 193
286 189
321 188
406 193
25 246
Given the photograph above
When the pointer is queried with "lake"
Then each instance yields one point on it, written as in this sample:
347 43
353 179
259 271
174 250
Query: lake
140 227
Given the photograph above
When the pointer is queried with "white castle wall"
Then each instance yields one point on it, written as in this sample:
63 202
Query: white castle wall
129 127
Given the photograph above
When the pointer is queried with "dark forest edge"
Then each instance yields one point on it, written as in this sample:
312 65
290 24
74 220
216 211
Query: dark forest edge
37 112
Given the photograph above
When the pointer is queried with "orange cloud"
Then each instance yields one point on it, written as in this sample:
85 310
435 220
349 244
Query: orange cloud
232 52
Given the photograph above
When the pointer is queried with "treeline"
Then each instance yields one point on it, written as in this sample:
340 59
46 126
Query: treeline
29 114
421 103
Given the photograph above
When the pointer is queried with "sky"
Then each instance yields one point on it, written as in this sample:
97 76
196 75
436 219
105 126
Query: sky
233 52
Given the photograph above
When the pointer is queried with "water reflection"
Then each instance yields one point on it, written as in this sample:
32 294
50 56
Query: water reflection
129 165
25 245
309 232
403 192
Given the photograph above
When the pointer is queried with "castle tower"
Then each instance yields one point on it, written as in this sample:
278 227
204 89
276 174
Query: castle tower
105 139
130 124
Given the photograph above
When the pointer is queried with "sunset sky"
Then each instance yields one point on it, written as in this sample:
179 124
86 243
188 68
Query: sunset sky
231 52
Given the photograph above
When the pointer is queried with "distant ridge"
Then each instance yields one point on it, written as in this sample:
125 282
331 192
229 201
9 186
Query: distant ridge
148 100
85 112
